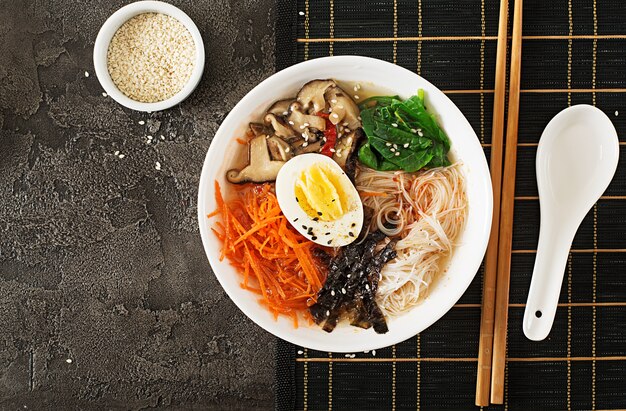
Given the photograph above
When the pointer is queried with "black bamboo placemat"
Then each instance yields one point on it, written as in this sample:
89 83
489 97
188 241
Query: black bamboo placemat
574 51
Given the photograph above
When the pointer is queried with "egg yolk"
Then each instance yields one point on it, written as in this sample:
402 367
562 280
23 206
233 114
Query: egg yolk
320 194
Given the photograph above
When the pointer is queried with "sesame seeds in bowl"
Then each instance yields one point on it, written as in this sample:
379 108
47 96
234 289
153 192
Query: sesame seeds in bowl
149 56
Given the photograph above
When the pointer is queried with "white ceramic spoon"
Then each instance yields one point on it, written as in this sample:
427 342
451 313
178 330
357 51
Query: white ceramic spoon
576 160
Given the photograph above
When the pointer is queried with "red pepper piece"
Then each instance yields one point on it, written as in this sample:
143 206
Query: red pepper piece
331 135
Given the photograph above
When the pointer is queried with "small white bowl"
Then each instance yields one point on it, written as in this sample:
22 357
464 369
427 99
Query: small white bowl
106 33
472 242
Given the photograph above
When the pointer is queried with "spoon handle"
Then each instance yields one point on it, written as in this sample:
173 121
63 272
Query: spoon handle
545 286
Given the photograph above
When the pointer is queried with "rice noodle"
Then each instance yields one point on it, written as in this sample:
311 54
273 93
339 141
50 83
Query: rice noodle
428 210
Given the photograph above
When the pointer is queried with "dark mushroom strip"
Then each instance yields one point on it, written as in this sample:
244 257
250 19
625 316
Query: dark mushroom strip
311 95
305 147
344 109
280 150
300 121
281 107
281 129
260 166
260 129
345 146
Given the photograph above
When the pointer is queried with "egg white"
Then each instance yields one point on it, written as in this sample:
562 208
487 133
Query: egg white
342 231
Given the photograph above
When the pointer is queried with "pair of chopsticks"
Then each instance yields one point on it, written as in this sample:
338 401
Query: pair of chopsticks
493 323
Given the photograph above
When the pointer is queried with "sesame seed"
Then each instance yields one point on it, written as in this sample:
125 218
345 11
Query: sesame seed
394 124
301 13
356 88
141 122
313 238
86 74
359 118
339 155
616 113
306 124
149 137
374 353
330 241
122 155
349 275
305 144
104 94
291 123
327 313
353 225
285 113
345 124
367 287
406 145
332 150
356 97
343 290
157 165
162 137
330 109
395 146
316 219
302 127
419 133
349 141
388 144
69 360
392 150
351 234
303 135
295 219
303 226
116 153
347 130
413 130
340 106
397 153
333 101
300 352
332 292
287 150
319 213
335 115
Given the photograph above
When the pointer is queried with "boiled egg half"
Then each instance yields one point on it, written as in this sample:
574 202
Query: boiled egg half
319 200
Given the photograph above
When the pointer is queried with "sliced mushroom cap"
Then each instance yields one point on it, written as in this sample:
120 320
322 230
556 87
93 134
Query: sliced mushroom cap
281 107
260 167
311 95
302 121
344 109
346 145
259 129
308 148
280 150
281 129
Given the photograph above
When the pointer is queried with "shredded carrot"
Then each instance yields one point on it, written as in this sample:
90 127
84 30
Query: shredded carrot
240 141
275 261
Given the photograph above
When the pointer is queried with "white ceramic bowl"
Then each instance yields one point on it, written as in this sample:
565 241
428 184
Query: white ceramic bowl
466 258
106 33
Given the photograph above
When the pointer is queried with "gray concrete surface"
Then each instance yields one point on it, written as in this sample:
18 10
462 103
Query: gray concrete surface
106 298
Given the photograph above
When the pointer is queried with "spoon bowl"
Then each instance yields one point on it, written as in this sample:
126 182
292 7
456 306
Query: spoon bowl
576 159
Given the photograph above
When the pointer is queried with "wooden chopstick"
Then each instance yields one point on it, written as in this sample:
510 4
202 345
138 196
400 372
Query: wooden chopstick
506 213
483 377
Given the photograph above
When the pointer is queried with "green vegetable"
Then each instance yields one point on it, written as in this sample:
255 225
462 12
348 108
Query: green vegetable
401 135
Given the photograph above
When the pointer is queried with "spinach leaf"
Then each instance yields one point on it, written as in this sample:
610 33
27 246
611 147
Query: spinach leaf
402 135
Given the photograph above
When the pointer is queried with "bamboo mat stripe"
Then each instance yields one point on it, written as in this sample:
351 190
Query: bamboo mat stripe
574 52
